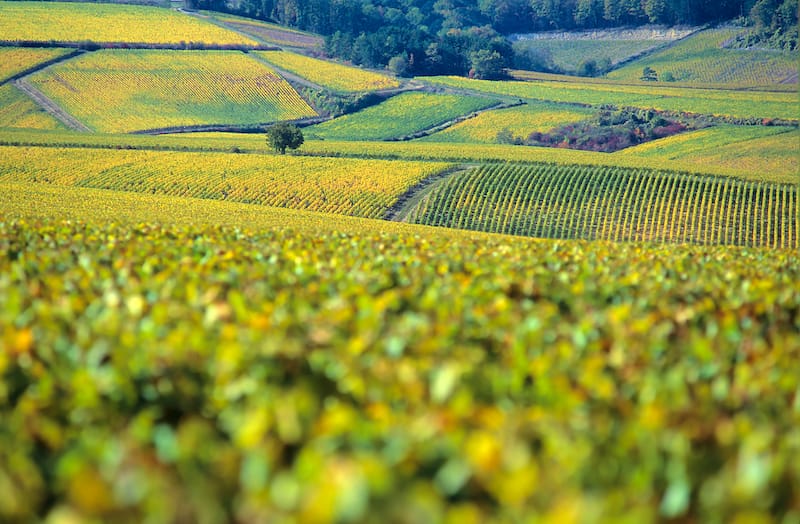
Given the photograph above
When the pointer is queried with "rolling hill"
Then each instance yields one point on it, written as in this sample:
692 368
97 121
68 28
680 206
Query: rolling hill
195 328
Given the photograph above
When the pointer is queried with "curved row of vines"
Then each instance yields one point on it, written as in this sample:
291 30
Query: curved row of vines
613 203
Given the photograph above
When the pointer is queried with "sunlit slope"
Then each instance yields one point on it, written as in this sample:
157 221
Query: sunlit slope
762 153
399 117
337 77
702 59
613 203
132 90
347 186
380 374
17 110
107 23
521 121
735 104
15 60
774 152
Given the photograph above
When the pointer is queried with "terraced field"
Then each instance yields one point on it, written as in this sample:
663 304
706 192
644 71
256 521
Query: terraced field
400 116
331 75
131 90
612 203
102 23
347 186
702 60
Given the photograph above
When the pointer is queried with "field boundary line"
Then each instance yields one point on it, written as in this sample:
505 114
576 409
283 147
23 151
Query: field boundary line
453 121
91 45
228 128
42 65
51 106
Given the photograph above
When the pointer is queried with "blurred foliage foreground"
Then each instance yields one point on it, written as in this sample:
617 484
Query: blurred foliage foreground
207 374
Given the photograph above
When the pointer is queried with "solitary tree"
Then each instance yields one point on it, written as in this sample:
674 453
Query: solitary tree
283 135
649 74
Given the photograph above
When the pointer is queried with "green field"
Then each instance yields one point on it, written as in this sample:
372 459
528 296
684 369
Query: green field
771 152
569 55
524 379
399 116
740 104
19 111
133 90
615 204
103 23
701 60
520 120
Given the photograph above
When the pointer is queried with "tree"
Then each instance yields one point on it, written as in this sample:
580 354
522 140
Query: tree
487 65
399 65
649 74
283 135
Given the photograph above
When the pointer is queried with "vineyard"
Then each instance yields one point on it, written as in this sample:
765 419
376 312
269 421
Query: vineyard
750 153
320 369
408 319
400 116
15 60
271 33
102 23
19 111
612 203
130 90
738 104
331 75
769 152
701 60
520 121
363 188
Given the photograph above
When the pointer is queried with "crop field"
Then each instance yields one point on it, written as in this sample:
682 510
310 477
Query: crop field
15 60
340 371
741 104
520 120
347 186
337 77
612 203
569 54
270 33
701 60
102 23
19 111
400 116
778 150
770 151
131 90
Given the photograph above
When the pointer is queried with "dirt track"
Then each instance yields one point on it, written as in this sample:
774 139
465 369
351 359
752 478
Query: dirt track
51 107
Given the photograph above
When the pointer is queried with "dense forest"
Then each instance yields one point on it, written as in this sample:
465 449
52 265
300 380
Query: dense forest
467 36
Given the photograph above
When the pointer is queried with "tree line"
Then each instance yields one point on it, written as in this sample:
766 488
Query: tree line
467 36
